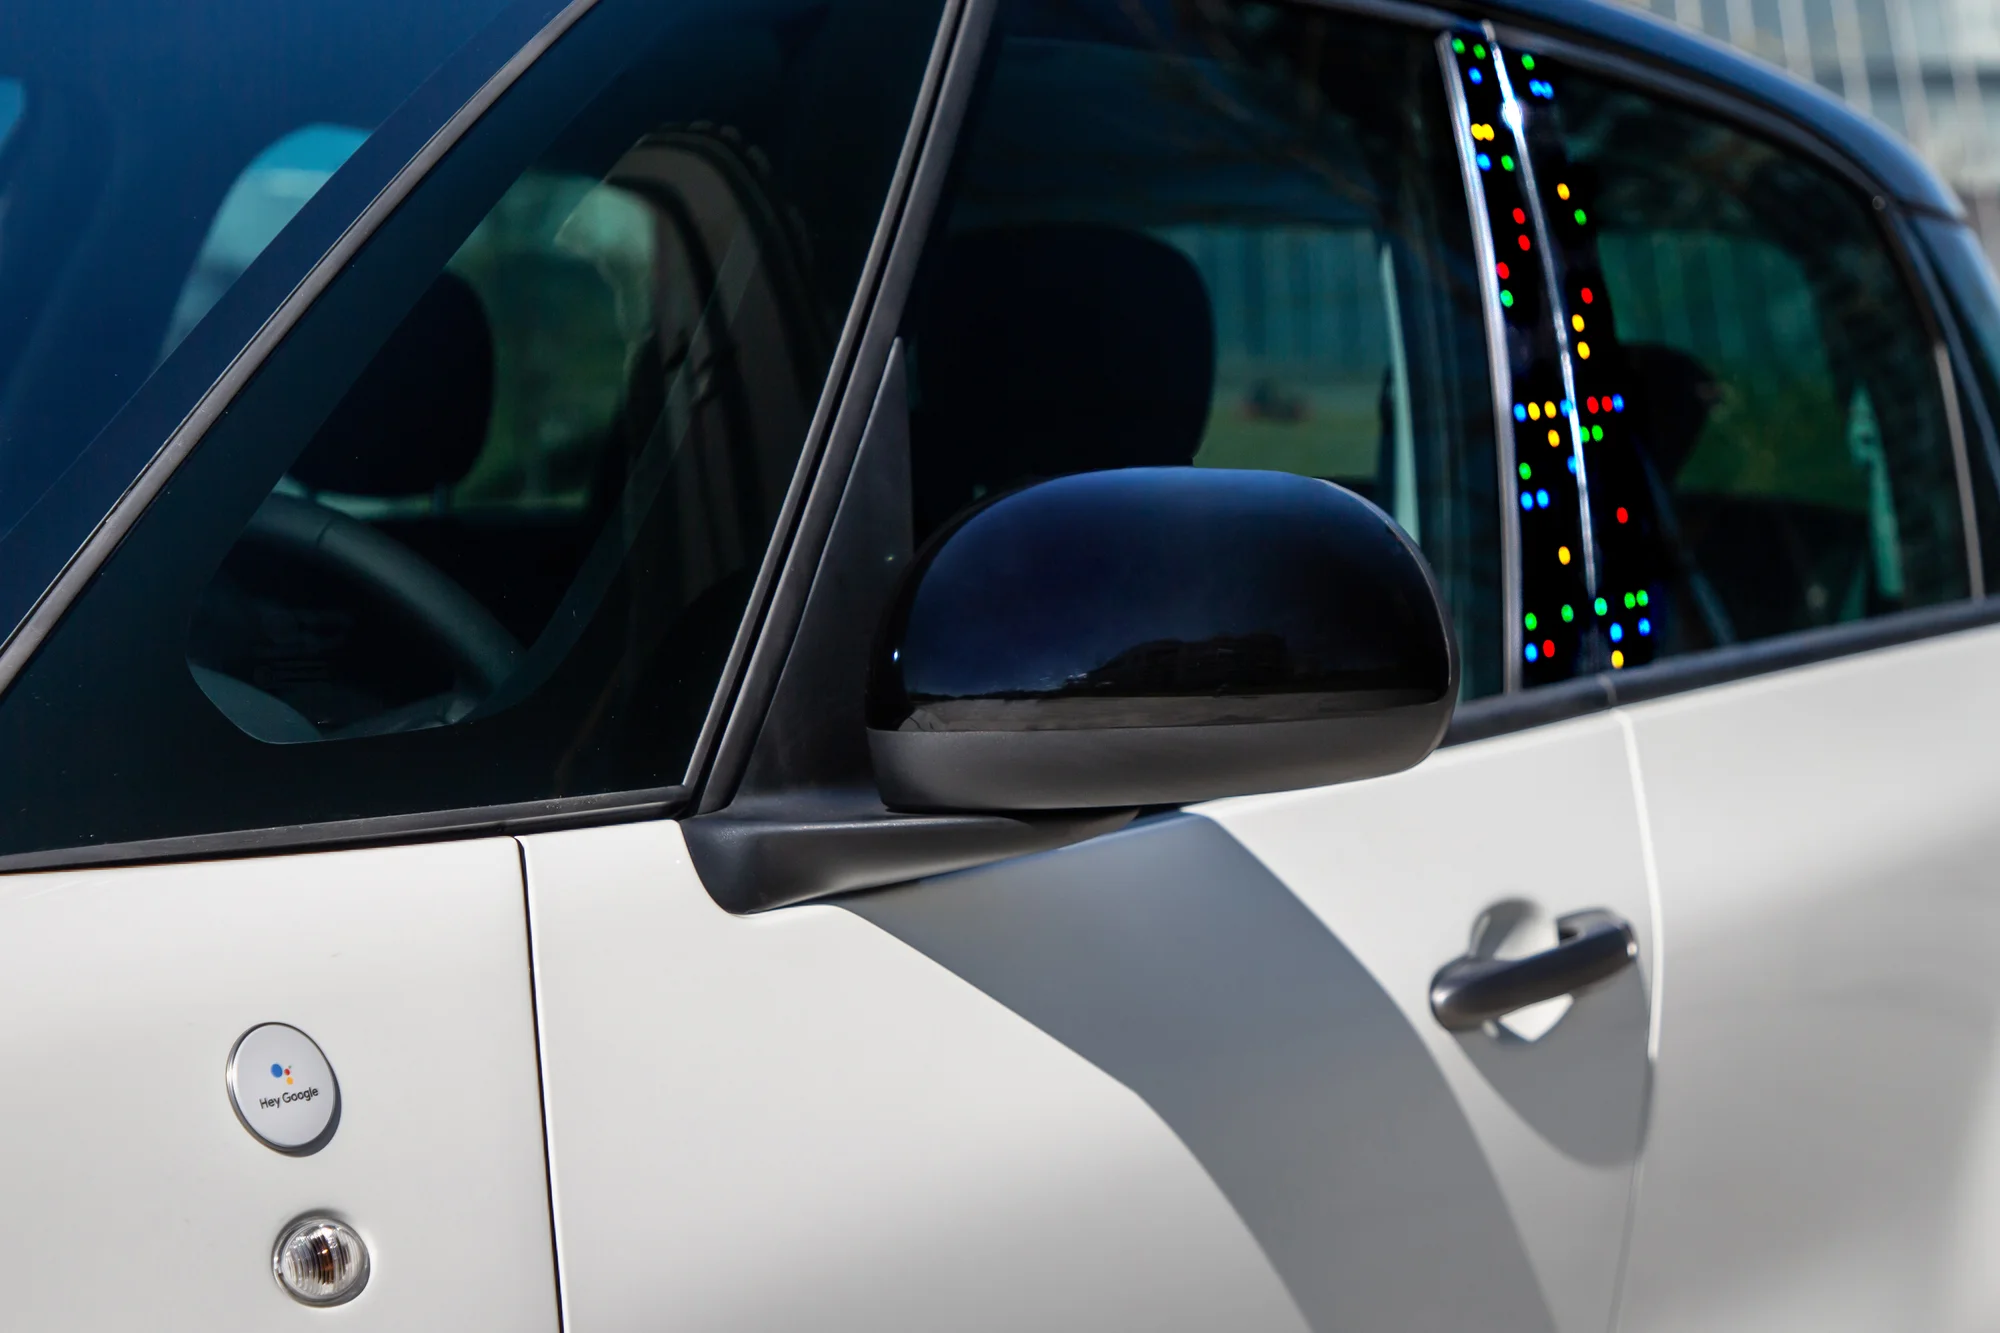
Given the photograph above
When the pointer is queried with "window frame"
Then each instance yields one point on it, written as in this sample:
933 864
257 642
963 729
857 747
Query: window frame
867 328
863 351
1519 709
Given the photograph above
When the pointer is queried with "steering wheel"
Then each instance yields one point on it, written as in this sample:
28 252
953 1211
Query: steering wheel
391 577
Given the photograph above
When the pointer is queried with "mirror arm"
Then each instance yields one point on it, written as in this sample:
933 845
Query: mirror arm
766 852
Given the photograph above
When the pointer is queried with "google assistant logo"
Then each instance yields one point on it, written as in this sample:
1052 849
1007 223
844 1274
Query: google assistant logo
280 1071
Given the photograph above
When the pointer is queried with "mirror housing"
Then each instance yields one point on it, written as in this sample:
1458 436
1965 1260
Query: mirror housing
1157 636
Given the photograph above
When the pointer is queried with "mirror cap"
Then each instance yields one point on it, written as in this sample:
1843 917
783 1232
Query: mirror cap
1157 636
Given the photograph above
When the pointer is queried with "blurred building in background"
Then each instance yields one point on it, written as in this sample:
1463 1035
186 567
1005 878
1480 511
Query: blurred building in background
1929 69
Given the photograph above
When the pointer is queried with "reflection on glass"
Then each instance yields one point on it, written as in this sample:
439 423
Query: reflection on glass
269 194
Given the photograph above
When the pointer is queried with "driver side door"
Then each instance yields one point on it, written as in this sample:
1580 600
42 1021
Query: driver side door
1184 1074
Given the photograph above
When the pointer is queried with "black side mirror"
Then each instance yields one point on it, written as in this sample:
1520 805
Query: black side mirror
1155 636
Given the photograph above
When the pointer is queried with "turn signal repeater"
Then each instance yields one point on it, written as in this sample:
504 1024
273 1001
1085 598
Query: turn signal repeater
320 1261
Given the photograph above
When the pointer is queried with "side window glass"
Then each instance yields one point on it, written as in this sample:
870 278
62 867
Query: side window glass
573 393
1227 236
1779 454
268 194
13 101
482 529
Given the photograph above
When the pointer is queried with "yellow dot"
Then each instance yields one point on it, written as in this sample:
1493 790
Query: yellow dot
1562 191
1583 351
1549 411
1554 439
1562 554
1576 322
1617 657
1534 411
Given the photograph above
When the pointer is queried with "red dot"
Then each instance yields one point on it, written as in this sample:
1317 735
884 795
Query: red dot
1503 269
1524 242
1622 515
1590 405
1520 218
1548 647
1587 297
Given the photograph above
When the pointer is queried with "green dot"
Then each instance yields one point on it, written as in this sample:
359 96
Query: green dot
1506 162
1479 50
1506 297
1579 217
1569 613
1602 606
1597 432
1531 620
1527 62
1526 472
1630 601
1642 597
1458 46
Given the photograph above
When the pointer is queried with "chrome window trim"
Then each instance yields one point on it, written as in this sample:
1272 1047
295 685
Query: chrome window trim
1500 373
112 529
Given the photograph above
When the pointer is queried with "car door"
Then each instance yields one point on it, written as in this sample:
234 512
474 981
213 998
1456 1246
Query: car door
1793 537
457 546
1184 1072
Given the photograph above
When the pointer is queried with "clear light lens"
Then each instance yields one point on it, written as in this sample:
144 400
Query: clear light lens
321 1261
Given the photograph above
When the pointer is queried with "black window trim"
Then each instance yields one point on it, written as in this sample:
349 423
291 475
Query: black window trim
777 599
914 185
1521 709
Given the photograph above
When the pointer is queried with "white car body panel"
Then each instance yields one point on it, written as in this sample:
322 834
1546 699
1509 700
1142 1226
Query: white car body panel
1825 1148
804 1103
1400 868
134 1198
796 1121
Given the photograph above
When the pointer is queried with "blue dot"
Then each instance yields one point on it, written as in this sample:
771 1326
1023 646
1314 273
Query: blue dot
1617 631
1645 626
1617 402
277 1071
1542 499
1527 500
1571 460
1533 652
1563 407
1475 76
1485 162
1520 412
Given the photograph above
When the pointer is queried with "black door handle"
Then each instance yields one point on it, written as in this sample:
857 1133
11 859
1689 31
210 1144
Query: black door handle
1594 945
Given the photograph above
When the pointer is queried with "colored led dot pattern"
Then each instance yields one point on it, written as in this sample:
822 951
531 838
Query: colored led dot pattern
1549 504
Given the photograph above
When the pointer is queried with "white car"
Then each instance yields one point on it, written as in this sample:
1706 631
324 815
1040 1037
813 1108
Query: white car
774 664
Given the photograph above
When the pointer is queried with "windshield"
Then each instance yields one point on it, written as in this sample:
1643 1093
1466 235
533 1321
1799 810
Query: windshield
149 153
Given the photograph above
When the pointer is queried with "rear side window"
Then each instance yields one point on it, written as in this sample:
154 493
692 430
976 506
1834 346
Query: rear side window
1227 236
482 530
1767 443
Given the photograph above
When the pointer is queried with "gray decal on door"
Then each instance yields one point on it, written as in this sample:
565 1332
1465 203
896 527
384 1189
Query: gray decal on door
1173 960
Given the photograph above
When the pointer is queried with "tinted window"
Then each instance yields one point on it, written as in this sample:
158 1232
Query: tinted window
1227 236
1779 455
1974 297
272 189
489 517
139 124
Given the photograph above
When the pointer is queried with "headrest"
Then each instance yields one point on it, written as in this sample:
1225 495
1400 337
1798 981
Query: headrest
1049 349
416 419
